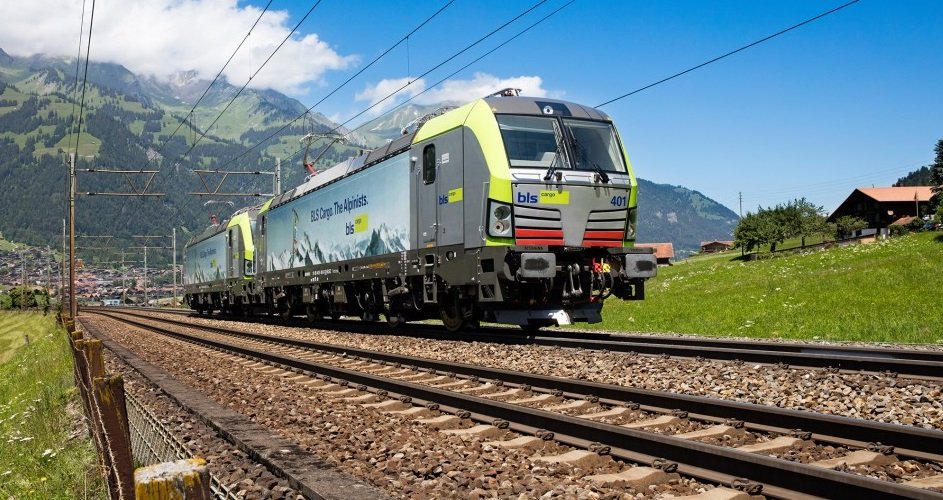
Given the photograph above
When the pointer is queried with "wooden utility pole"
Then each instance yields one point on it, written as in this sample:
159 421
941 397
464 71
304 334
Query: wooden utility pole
173 235
73 305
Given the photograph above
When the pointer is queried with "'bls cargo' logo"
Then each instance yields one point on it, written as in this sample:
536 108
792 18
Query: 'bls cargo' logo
526 198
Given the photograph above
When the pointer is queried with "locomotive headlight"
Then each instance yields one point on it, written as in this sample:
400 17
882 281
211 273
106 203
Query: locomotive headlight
499 220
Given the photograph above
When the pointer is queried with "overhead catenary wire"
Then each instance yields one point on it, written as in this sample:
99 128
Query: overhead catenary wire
466 66
75 84
253 75
339 87
443 63
183 120
88 50
732 52
410 99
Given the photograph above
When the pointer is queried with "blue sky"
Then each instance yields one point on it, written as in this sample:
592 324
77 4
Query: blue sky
850 100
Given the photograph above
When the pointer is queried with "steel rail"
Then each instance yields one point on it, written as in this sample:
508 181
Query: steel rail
908 440
780 475
907 362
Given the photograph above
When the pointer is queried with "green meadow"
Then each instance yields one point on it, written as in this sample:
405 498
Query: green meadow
887 291
42 452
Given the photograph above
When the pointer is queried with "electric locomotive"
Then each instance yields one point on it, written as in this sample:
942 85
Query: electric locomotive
219 265
509 209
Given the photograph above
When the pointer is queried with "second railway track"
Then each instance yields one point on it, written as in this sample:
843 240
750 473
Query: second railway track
536 404
924 363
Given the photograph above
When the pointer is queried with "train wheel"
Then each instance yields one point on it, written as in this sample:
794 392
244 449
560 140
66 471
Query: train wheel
312 313
395 320
452 314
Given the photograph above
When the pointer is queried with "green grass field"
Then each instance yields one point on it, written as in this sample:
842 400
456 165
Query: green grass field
886 292
41 456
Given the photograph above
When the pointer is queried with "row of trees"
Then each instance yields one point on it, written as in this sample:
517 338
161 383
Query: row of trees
799 218
20 297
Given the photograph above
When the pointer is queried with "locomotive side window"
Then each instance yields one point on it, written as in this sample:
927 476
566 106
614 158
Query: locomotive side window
428 164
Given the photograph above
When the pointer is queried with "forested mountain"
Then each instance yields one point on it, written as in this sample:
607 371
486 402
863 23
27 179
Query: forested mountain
920 177
681 216
127 125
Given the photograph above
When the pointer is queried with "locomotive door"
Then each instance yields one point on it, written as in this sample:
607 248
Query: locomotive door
426 216
449 182
235 252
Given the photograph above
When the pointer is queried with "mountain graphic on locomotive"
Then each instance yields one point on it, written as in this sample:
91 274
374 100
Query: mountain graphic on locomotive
509 209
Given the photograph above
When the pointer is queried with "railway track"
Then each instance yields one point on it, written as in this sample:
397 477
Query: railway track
926 364
715 441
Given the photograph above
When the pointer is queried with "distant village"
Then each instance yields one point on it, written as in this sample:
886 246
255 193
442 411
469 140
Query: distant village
98 285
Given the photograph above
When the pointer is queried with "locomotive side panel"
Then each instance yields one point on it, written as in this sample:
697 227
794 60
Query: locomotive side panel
206 261
366 214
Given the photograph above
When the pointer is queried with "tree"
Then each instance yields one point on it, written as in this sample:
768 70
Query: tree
811 219
936 175
750 233
22 297
846 224
765 227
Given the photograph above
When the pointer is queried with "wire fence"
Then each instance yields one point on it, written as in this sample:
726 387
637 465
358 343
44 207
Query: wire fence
152 443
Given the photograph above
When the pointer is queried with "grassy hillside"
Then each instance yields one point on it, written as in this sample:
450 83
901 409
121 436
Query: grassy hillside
41 456
884 291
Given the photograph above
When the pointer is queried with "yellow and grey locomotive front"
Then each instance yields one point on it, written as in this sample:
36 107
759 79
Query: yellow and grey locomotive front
508 209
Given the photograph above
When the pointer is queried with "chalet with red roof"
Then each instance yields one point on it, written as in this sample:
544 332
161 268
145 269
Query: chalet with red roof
882 206
716 246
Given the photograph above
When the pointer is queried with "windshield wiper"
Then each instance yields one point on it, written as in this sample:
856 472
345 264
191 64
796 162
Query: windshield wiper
558 135
553 164
603 176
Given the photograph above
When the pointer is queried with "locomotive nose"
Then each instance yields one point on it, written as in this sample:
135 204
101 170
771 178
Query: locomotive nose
570 215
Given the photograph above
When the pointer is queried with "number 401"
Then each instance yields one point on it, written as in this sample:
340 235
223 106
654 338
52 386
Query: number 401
619 201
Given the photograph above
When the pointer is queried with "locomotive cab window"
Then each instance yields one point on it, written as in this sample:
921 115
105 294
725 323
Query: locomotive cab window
428 164
594 145
545 142
533 141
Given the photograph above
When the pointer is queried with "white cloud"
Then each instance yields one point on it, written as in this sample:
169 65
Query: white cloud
374 93
162 37
481 85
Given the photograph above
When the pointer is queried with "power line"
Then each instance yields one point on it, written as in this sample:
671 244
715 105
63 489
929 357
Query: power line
88 50
198 101
253 75
453 56
75 85
830 184
463 68
374 61
447 60
807 21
